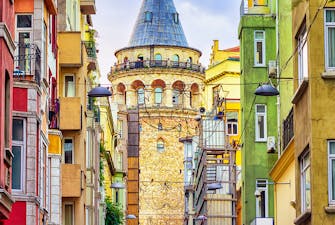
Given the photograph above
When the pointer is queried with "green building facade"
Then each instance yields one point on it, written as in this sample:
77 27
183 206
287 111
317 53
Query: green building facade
257 34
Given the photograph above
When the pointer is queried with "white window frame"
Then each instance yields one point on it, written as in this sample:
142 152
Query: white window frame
302 54
73 212
331 158
327 26
74 85
21 144
232 124
68 138
257 40
17 34
257 138
120 128
140 96
89 148
157 93
303 170
260 187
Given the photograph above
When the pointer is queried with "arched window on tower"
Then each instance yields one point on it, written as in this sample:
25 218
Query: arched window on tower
140 96
158 59
158 95
148 17
176 96
175 60
160 145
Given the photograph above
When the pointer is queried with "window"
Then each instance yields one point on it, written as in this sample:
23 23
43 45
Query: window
176 18
262 199
8 99
176 95
330 39
175 60
331 172
140 96
160 145
261 129
158 59
68 214
120 128
302 54
232 124
305 175
68 151
70 88
147 16
23 38
89 149
259 48
158 95
18 149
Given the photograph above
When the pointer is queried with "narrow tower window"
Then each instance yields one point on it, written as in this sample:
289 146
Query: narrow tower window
176 18
148 16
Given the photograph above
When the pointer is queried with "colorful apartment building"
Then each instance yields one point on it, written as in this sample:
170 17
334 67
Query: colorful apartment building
7 49
257 34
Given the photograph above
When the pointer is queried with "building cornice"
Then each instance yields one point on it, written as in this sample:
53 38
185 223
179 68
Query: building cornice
4 33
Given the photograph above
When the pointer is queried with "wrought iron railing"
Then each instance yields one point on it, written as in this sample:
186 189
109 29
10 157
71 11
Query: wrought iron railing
27 61
157 64
288 129
90 49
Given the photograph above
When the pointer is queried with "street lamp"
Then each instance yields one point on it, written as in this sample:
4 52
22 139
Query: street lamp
266 90
99 92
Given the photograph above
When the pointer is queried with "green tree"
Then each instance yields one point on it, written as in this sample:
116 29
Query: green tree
114 214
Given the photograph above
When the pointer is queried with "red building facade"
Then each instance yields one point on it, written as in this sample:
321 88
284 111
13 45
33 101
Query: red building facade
6 89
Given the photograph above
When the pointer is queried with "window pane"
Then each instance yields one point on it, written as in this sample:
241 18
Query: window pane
331 46
140 96
260 108
18 130
158 95
261 126
24 51
175 58
16 167
308 189
68 148
69 86
259 53
158 57
330 16
68 214
23 21
332 147
259 35
333 179
234 128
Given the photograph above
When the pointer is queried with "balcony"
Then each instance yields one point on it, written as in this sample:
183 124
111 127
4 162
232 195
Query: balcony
54 114
164 64
70 49
71 180
27 61
70 113
262 221
55 142
288 129
87 7
90 49
255 7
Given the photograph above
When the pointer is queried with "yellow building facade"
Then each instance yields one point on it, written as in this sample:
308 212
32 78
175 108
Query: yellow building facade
223 81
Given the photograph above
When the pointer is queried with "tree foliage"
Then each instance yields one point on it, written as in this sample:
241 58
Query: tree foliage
114 214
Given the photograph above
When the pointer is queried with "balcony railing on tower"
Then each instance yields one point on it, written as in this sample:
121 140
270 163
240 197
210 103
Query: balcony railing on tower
157 64
90 49
27 61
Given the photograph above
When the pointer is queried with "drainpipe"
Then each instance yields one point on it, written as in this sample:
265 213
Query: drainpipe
278 80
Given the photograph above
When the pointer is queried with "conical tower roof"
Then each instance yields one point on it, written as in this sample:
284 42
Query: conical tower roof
158 24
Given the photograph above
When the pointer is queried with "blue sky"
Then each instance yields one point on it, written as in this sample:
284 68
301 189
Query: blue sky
203 21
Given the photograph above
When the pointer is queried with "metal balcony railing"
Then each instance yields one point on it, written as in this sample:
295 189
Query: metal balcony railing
27 61
157 64
90 49
244 8
288 129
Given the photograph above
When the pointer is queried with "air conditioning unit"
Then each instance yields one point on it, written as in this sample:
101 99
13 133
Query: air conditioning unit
271 144
272 69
